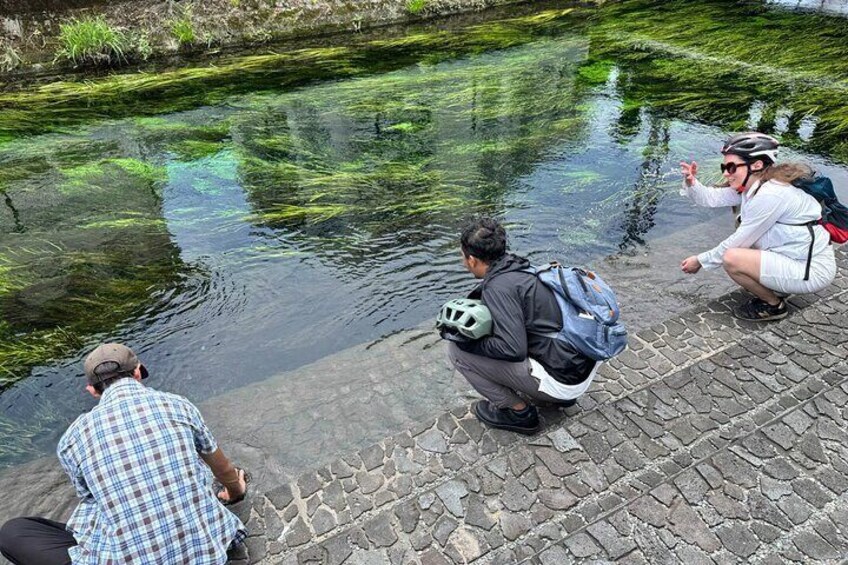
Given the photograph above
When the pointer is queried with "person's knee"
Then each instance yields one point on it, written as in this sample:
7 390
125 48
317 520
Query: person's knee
731 260
9 532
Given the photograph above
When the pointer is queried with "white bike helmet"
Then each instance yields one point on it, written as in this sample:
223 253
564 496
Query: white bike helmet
466 317
751 146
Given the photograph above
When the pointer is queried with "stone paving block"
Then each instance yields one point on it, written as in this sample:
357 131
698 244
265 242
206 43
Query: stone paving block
672 466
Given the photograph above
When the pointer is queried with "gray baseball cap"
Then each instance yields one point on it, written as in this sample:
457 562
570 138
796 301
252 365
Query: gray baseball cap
111 360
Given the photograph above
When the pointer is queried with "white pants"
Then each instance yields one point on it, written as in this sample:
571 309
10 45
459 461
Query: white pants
786 275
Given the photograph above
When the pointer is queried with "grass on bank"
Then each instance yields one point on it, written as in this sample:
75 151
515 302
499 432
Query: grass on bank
92 41
182 29
10 59
415 7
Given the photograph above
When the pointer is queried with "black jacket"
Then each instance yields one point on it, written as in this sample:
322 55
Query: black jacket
523 307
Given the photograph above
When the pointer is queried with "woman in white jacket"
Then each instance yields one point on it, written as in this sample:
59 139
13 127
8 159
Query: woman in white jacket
779 247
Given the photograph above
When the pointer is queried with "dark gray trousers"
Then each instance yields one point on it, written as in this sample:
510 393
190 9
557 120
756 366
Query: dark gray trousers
36 541
497 381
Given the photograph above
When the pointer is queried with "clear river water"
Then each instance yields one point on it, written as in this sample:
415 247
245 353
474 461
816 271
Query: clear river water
241 220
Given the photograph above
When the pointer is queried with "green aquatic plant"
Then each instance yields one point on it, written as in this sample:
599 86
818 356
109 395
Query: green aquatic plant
194 149
92 41
140 169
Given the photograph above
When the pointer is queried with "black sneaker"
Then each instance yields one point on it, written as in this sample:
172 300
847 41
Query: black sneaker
756 310
524 422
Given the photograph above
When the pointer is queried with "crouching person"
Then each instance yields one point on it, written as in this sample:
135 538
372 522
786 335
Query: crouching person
520 356
140 462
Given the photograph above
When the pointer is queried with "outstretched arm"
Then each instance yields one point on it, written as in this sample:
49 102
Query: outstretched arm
227 474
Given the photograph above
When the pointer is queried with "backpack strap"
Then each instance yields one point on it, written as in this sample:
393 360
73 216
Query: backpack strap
809 225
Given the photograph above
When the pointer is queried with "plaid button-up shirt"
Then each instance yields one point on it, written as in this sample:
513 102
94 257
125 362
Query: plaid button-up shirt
146 496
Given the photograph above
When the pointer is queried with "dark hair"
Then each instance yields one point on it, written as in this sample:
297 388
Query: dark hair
103 385
485 239
106 368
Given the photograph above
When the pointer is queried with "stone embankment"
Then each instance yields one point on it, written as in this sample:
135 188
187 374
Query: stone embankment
30 32
709 440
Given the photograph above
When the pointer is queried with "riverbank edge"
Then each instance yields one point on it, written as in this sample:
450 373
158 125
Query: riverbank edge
447 490
159 33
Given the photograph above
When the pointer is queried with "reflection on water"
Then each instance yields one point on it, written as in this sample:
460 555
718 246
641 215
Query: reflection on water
233 240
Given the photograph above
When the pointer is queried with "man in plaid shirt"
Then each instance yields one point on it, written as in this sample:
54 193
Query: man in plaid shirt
140 462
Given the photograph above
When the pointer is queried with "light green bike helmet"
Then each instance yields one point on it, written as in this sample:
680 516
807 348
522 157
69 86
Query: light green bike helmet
465 316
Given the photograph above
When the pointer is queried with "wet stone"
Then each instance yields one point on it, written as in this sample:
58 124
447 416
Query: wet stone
516 497
738 539
432 441
686 523
451 494
563 441
477 513
773 489
581 546
308 484
514 525
380 532
780 468
795 508
408 516
465 546
814 547
765 532
372 457
298 533
369 482
692 486
811 492
520 460
649 510
554 556
555 462
443 529
280 497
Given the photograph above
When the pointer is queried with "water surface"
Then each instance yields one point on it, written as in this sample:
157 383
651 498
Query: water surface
241 221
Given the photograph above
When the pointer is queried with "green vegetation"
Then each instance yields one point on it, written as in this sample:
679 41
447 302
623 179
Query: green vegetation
10 59
415 7
92 41
182 29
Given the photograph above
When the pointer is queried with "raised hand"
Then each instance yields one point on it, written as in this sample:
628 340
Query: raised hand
689 170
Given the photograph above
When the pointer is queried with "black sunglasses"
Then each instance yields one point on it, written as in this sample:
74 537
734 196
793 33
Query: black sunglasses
731 167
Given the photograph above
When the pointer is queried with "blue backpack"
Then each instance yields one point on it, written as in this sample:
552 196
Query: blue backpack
589 308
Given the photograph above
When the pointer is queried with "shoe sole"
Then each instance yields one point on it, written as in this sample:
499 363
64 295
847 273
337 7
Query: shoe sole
516 429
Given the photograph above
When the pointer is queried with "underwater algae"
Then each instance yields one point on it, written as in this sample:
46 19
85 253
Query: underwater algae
704 62
426 143
57 105
80 265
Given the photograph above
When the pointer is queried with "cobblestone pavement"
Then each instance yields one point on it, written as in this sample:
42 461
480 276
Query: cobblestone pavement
709 440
